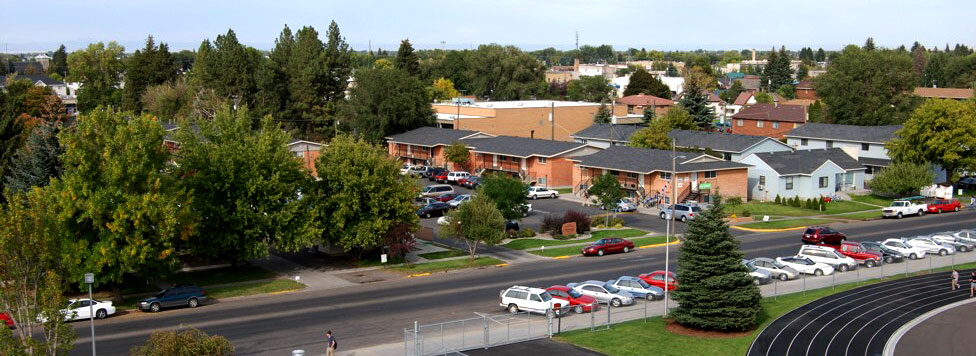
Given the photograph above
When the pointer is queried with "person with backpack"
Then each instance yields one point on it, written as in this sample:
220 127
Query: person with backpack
332 346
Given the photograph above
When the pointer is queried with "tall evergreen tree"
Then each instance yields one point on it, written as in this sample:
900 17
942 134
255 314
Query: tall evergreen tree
602 115
386 102
715 290
337 60
647 116
228 68
777 72
38 161
273 78
821 55
671 71
696 102
919 60
307 79
59 62
406 59
152 65
869 44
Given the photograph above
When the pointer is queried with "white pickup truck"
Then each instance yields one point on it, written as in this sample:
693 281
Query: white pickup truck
900 208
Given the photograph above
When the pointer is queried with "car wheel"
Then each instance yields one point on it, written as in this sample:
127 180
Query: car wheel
663 216
427 215
512 308
599 252
943 252
869 263
193 303
913 256
649 297
887 260
684 218
843 268
534 197
553 196
940 210
578 309
101 314
899 216
956 209
921 212
615 303
626 249
755 281
154 307
784 277
817 272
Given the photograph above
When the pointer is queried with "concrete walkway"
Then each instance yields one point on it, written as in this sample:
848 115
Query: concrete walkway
312 279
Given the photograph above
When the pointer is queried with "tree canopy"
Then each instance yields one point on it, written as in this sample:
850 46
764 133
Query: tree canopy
152 65
643 82
777 72
656 134
476 222
940 131
406 59
386 102
595 89
508 193
882 79
902 179
99 69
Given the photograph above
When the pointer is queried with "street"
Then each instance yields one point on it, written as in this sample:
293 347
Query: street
371 314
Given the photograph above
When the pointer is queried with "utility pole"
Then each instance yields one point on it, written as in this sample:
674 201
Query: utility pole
577 40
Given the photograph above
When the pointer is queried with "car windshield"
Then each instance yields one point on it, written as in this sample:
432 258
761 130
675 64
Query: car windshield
545 296
610 288
574 293
778 264
642 283
750 266
696 209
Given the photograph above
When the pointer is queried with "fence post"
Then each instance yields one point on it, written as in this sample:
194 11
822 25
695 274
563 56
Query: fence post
883 263
953 261
930 264
593 316
416 338
906 267
858 275
609 305
508 331
463 331
645 310
549 322
528 323
443 348
804 284
485 329
775 288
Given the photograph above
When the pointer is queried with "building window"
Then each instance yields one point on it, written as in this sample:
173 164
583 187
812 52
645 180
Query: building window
824 181
789 183
615 173
762 180
631 175
865 147
542 181
502 158
727 156
803 142
710 174
775 124
541 160
740 122
665 175
868 170
830 144
759 123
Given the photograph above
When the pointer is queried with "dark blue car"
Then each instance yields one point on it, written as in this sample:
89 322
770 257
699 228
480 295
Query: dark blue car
181 295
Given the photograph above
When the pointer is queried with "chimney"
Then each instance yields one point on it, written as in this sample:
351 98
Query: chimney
576 65
753 54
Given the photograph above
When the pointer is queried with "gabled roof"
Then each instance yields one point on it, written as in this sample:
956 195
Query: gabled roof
944 93
805 85
644 160
713 98
431 136
870 134
718 141
743 98
805 162
520 146
621 133
645 100
33 78
771 112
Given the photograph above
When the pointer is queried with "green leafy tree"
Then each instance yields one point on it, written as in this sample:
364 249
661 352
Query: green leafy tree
508 193
763 98
902 179
940 131
786 91
643 82
672 71
882 79
182 342
602 115
817 113
118 200
31 266
386 102
59 62
38 161
588 88
714 289
171 101
802 72
406 59
476 222
503 73
152 65
458 153
733 202
99 69
656 134
360 195
733 92
606 189
247 203
443 89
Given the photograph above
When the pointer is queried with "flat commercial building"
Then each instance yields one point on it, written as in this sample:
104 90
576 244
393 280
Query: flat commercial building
542 119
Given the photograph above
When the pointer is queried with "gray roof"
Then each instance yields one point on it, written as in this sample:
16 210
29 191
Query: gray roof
644 160
520 146
621 133
875 162
806 161
33 78
431 136
718 141
873 134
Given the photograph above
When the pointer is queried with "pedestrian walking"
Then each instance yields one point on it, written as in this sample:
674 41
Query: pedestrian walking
972 202
955 279
330 351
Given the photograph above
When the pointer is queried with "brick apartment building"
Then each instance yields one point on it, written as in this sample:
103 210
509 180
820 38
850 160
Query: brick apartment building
772 120
637 103
425 146
525 118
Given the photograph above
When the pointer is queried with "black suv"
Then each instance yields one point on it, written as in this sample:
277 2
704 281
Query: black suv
185 294
433 172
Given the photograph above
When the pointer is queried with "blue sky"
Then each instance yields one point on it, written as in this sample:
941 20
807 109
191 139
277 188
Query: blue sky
31 25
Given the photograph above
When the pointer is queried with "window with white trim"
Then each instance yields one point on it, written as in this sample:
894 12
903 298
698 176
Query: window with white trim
803 142
541 160
789 183
759 123
775 124
824 181
710 174
740 122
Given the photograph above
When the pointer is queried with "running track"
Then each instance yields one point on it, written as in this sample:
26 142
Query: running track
857 322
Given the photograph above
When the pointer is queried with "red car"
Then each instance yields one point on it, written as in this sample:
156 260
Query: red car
577 301
608 245
441 177
444 198
6 319
940 205
656 279
858 253
823 235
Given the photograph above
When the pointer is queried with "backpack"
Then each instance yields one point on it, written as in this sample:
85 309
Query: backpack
335 344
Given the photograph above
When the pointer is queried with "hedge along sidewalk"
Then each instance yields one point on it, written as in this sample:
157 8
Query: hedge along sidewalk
531 244
570 251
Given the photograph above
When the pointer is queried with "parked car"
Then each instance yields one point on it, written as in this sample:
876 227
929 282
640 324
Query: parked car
902 246
822 235
446 197
625 205
683 212
806 265
533 300
433 209
7 320
454 177
901 208
960 244
968 183
827 255
759 276
458 200
185 294
604 293
889 255
79 309
441 177
577 301
637 287
940 205
776 269
966 235
541 192
608 245
656 279
512 225
471 182
435 190
432 172
931 246
412 170
858 253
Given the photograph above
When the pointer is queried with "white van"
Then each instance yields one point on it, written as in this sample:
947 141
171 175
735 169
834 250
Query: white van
453 177
435 190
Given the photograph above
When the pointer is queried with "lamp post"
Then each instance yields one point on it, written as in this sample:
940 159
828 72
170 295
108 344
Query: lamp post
90 279
669 228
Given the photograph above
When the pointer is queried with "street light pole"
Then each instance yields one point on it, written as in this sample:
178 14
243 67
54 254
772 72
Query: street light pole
89 279
670 228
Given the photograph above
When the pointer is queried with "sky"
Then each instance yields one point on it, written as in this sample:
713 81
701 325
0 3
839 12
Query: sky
41 25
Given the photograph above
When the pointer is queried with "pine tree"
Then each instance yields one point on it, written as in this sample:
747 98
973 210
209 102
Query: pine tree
821 55
777 72
59 62
648 116
38 161
869 44
919 60
406 59
643 82
602 115
306 82
338 62
696 102
672 71
273 78
714 289
152 65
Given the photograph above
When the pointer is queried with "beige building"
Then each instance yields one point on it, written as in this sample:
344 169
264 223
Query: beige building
541 119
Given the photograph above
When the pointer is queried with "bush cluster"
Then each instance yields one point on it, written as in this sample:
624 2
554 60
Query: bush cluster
796 202
553 224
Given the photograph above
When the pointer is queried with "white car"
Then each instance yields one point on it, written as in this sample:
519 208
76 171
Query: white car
775 268
541 192
625 205
637 287
959 244
458 200
533 300
827 255
806 265
966 235
604 293
453 177
900 245
79 309
931 246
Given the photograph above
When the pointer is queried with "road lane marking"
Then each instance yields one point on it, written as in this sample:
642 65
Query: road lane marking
501 265
661 244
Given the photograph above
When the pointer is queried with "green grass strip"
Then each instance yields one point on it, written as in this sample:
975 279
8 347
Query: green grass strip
448 265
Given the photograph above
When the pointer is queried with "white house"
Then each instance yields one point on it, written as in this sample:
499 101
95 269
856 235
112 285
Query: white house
803 173
732 147
868 142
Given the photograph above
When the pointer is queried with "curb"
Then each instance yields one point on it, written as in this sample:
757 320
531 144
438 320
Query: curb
767 230
889 349
675 242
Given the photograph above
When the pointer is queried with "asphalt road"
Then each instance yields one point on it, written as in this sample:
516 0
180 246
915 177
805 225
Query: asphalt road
855 322
372 314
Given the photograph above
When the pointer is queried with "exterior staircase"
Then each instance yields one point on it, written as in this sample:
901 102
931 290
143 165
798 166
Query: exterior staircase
693 196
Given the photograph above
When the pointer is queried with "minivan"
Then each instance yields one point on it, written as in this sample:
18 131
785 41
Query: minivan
453 177
434 190
683 212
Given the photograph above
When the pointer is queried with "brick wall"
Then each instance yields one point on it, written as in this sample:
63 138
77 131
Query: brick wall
527 122
750 127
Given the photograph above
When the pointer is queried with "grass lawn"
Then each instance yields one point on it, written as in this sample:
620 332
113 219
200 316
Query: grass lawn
443 254
575 250
134 285
872 199
522 244
759 208
372 261
633 337
564 190
446 265
867 215
785 224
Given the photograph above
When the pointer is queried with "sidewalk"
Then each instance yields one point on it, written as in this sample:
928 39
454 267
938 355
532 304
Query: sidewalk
640 209
312 279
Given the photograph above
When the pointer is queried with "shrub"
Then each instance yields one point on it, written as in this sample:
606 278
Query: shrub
512 234
615 221
184 342
617 226
582 220
599 226
527 232
562 237
746 213
552 224
778 199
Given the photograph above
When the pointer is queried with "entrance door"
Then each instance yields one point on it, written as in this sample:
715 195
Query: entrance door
694 181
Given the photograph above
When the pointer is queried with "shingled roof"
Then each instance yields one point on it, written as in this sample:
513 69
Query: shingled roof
944 93
770 112
520 146
431 136
644 100
805 162
718 141
621 133
872 134
644 160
